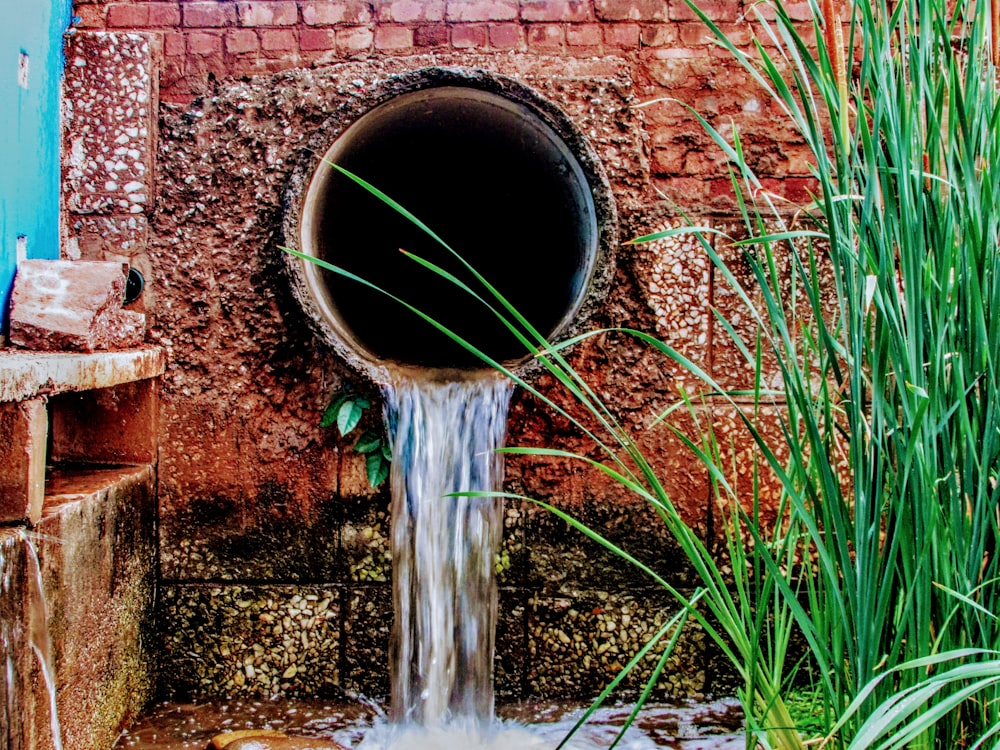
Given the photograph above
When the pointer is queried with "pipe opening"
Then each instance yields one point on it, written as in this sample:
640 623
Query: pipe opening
494 181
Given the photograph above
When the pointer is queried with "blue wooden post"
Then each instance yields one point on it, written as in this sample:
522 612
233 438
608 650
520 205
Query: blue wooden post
31 66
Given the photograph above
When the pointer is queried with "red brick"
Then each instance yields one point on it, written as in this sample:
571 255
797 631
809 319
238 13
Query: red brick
313 40
464 36
556 10
23 431
332 12
716 10
738 33
506 36
659 35
799 189
173 44
721 188
624 35
393 37
410 11
209 15
164 14
694 34
278 40
91 16
583 34
122 16
242 41
354 39
258 13
481 10
204 44
632 10
797 11
546 37
430 36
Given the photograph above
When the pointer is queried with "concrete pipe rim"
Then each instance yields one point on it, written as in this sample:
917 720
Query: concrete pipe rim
510 114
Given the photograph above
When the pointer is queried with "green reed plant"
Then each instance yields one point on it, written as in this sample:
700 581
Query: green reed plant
899 107
882 558
753 638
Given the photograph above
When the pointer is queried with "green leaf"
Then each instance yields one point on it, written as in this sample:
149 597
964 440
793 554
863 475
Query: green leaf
368 442
330 413
378 469
350 414
387 450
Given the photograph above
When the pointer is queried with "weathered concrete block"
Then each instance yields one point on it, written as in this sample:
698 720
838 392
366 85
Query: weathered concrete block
81 591
23 433
97 546
76 305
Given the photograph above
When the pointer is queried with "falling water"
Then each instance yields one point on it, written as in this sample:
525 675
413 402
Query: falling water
17 549
445 436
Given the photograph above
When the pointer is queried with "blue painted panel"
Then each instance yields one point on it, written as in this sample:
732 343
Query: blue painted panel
31 65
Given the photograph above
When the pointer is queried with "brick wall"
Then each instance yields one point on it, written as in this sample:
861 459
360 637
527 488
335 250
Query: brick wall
669 48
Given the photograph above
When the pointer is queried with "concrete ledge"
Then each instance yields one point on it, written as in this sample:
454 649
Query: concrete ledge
26 374
93 584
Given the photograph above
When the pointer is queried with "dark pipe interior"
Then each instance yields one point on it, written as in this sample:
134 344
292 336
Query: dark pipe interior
494 182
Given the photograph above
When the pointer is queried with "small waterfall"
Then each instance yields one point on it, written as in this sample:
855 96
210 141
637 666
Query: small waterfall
23 624
445 437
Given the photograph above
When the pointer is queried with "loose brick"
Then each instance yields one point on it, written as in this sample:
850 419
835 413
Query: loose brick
506 36
333 13
354 39
481 10
278 40
393 37
313 40
430 36
464 36
60 305
410 11
623 35
242 41
631 10
259 13
209 15
583 35
573 11
203 44
122 16
164 15
546 37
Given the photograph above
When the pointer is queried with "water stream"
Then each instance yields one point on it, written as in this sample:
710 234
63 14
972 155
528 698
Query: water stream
445 436
24 621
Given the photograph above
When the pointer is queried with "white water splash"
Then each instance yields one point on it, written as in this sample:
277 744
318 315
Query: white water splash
445 437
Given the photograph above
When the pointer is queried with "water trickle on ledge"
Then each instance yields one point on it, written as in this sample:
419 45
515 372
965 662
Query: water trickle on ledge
445 438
